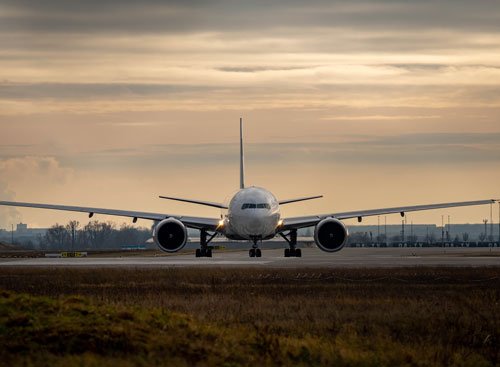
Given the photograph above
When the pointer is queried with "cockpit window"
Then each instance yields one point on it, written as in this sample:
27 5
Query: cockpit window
255 206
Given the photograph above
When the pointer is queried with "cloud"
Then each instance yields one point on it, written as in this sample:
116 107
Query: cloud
94 57
256 69
15 170
429 149
380 117
227 15
20 91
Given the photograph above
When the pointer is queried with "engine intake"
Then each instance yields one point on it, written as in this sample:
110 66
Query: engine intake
330 235
170 235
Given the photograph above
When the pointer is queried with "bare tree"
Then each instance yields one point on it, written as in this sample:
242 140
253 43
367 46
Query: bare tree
72 228
57 237
98 234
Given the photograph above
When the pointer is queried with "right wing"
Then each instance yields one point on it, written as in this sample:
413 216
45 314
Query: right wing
192 222
312 220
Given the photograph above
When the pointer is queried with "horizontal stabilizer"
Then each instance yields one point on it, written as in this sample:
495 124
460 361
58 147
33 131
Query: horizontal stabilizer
299 199
199 202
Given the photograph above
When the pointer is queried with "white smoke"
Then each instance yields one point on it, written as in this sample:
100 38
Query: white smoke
8 215
30 173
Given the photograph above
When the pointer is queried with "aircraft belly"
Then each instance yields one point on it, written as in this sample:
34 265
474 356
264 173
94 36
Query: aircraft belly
248 227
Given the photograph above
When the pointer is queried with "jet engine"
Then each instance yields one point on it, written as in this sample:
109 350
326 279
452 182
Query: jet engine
330 235
170 235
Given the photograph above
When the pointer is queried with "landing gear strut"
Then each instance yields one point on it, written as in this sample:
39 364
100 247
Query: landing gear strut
293 251
255 250
205 250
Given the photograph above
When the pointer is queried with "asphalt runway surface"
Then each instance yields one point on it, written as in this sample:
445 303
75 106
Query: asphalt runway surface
273 258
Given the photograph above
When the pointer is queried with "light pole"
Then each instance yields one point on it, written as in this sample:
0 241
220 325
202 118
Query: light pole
442 230
12 234
403 231
491 223
385 232
485 221
411 233
448 235
378 228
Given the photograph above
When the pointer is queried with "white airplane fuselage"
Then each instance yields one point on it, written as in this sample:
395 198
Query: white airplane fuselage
253 214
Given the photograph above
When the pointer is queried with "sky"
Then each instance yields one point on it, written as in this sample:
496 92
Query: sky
370 103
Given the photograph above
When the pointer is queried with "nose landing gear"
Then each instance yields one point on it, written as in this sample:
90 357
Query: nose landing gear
293 251
255 250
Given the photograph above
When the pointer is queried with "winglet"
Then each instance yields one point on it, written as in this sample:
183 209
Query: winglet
242 162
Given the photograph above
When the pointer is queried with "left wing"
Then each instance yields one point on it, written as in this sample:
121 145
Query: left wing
300 222
192 222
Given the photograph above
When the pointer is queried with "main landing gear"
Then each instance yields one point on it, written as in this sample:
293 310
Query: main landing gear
205 250
255 250
291 238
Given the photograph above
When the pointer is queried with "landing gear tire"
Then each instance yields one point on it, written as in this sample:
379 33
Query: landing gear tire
251 252
258 253
205 250
201 252
297 252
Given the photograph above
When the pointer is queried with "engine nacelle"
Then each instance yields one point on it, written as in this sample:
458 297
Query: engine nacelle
170 235
330 235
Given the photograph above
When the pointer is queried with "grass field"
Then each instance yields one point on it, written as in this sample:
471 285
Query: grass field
232 317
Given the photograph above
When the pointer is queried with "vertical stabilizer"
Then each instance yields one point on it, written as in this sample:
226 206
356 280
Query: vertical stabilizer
242 161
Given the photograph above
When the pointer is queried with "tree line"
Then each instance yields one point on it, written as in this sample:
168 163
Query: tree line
93 236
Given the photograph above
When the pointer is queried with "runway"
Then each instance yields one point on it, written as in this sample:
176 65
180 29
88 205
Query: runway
273 258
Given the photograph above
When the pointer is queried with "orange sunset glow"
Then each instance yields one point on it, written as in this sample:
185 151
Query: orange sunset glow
371 104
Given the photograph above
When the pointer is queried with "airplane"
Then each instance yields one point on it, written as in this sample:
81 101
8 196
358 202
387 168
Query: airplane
252 214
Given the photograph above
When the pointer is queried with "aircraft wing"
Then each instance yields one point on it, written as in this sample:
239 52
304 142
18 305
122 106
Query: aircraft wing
300 222
192 222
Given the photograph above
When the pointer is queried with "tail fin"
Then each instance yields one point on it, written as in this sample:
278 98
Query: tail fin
242 163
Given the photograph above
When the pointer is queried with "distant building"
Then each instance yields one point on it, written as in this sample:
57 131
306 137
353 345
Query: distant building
22 228
23 235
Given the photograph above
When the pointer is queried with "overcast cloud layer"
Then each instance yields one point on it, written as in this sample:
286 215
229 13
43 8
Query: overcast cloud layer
402 91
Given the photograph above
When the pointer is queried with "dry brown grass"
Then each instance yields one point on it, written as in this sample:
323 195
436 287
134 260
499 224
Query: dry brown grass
414 316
